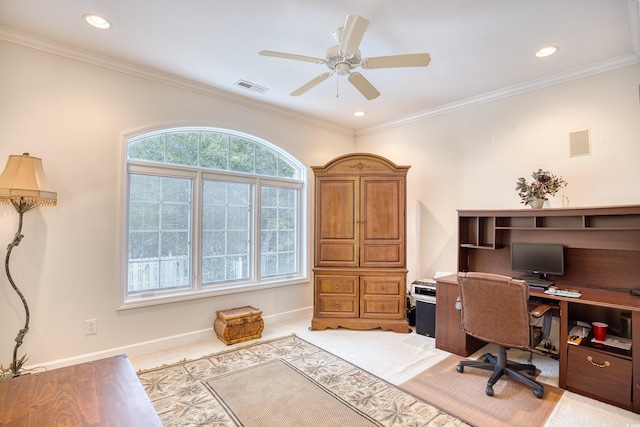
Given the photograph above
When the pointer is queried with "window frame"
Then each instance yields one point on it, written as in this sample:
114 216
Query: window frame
198 175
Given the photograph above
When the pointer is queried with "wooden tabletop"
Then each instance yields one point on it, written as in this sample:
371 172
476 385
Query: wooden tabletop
104 392
620 299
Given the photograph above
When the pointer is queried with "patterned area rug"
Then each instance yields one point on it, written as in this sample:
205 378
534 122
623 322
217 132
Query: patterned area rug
282 382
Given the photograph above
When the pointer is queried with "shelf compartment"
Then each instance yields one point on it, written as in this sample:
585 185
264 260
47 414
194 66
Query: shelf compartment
560 222
477 232
627 222
515 222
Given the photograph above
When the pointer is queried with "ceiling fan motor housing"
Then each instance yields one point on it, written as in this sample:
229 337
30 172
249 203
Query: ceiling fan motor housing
341 63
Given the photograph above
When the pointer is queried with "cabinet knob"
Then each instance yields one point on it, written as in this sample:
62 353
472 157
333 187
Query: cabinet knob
599 365
382 306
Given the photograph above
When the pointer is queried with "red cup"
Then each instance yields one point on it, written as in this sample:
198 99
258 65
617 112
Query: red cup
600 330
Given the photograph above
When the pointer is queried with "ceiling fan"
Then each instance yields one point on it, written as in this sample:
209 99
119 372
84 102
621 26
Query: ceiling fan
345 56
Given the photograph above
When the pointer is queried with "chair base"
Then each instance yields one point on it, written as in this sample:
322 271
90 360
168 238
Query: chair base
499 366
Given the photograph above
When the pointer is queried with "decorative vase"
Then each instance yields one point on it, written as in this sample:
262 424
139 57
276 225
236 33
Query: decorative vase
536 203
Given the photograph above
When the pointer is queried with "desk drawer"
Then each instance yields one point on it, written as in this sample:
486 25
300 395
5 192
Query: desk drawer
599 374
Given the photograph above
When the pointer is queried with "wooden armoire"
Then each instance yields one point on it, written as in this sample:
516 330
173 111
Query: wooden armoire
360 244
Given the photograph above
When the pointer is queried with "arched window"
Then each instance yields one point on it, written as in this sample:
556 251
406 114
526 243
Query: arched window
210 211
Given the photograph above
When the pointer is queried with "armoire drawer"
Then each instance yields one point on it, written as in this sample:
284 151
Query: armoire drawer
336 306
599 374
336 284
381 308
383 285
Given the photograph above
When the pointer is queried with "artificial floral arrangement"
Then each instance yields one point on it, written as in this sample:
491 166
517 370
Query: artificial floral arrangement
544 183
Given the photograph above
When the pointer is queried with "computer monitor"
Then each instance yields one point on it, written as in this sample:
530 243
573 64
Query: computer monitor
538 259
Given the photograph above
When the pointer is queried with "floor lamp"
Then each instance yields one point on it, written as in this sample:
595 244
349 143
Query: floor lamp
23 185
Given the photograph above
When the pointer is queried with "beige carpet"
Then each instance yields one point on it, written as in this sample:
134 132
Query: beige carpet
282 382
276 392
463 395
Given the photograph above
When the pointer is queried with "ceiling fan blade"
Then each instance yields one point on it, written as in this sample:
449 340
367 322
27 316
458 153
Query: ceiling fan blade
410 60
354 28
364 87
305 87
291 56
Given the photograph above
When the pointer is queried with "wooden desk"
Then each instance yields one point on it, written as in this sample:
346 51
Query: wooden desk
104 392
618 383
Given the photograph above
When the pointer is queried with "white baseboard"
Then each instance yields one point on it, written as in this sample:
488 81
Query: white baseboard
150 346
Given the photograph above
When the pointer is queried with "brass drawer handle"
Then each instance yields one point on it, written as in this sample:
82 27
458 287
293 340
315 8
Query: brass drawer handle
599 365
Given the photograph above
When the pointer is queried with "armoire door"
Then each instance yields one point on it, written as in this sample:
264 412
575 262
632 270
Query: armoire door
382 222
337 217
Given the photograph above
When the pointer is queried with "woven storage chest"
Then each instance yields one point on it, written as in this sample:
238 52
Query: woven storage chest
238 324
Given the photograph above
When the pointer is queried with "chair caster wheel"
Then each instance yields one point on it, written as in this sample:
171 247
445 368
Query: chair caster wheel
489 390
531 371
538 393
485 359
460 368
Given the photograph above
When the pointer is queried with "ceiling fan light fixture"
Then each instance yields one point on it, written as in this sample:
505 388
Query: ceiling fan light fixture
343 68
97 21
546 51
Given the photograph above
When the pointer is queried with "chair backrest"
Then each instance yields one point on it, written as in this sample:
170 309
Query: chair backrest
494 308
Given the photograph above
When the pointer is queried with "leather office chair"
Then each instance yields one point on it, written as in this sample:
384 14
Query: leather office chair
495 309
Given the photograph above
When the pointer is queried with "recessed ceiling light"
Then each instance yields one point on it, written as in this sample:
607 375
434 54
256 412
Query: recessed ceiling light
97 21
359 113
546 51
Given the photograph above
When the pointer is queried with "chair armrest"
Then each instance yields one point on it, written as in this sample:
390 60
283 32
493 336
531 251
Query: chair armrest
540 310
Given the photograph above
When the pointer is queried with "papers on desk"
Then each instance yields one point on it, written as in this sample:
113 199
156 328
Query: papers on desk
613 341
577 333
580 331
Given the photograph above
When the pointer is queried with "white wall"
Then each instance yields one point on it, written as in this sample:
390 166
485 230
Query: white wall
73 115
471 158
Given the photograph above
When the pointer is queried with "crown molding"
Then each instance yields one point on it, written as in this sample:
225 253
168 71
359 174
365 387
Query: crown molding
575 74
46 45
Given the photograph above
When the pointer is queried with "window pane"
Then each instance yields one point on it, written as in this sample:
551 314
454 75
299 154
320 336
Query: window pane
150 148
279 231
286 170
182 148
241 157
226 220
159 232
214 150
266 162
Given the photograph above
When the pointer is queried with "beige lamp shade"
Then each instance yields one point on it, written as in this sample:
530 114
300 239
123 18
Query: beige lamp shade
23 179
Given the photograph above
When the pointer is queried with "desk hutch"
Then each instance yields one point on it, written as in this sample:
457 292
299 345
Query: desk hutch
602 260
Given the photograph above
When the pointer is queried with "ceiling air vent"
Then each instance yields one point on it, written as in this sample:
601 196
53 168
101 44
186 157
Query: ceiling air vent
251 86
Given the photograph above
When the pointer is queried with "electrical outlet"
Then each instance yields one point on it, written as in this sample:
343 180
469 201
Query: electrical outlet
91 327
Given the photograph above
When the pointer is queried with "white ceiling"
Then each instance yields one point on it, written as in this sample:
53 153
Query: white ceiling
479 48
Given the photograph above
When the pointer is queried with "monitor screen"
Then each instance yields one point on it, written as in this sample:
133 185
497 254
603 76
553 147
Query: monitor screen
538 259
